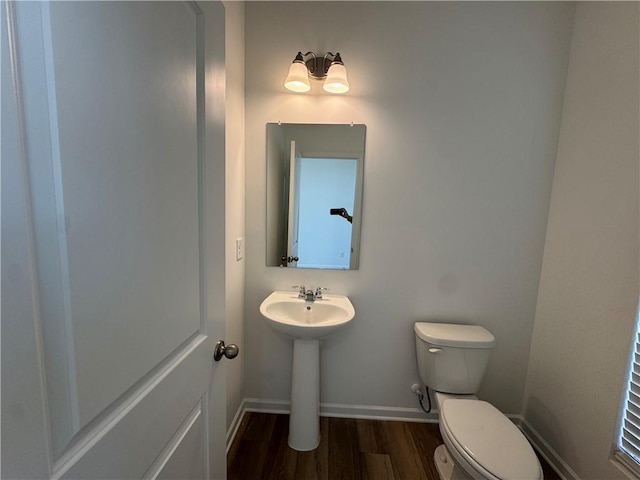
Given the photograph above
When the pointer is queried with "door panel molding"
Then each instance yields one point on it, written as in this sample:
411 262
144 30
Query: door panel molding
132 204
28 31
144 407
25 404
191 427
89 435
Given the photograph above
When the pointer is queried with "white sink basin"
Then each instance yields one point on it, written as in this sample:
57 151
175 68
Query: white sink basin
305 322
299 319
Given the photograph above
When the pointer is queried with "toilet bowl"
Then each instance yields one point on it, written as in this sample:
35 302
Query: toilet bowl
483 443
480 442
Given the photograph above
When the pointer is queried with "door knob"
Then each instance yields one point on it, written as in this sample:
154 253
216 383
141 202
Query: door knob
230 351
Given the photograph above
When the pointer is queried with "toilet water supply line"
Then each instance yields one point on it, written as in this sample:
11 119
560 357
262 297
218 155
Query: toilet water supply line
417 389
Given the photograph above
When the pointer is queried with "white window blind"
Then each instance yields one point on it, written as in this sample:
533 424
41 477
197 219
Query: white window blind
627 452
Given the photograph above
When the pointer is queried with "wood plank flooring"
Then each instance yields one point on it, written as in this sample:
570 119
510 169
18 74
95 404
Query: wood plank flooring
350 449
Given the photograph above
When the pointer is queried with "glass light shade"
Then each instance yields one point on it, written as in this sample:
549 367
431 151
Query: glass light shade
298 78
336 81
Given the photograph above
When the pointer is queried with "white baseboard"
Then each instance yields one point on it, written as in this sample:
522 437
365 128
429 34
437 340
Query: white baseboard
374 412
547 452
235 424
267 406
370 412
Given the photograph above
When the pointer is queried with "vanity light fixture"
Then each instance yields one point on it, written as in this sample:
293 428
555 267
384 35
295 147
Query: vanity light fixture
329 68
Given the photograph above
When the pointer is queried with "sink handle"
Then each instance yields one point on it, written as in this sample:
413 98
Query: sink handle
302 292
319 292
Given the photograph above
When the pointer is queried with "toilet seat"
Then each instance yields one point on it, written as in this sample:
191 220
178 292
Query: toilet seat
487 442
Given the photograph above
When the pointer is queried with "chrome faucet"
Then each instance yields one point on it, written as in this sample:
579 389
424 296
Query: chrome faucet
309 295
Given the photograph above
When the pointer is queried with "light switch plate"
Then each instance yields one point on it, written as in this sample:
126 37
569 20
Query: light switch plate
239 249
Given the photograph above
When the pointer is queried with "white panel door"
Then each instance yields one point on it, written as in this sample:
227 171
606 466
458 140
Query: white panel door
112 239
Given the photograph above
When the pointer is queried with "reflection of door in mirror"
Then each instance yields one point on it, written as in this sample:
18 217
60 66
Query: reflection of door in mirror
294 206
325 184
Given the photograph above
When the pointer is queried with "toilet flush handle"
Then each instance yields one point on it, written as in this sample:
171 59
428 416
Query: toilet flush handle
435 350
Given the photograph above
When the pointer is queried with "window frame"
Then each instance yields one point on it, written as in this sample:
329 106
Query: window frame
623 459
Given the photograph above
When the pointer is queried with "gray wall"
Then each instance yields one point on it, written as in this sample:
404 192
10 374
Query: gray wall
462 104
234 208
589 283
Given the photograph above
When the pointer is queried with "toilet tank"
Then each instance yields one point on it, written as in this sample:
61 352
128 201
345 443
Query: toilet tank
452 358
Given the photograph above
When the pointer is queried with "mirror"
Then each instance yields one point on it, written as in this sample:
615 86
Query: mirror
314 195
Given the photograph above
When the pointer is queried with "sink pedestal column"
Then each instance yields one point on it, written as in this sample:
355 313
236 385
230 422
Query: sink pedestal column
304 421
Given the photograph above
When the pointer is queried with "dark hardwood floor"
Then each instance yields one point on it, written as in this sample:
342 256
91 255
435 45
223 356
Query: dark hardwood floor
349 449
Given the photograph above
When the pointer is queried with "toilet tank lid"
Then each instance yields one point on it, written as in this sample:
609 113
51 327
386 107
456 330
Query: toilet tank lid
454 335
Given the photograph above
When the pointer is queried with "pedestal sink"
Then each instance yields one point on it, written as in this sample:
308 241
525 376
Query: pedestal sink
306 322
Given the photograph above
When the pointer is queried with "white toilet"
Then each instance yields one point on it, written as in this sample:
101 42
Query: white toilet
479 441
